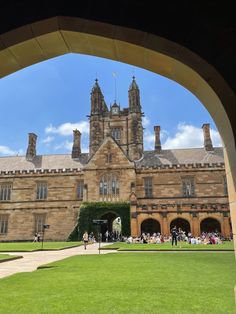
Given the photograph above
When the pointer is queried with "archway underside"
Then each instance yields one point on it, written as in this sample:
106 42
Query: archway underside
59 35
210 225
150 226
182 224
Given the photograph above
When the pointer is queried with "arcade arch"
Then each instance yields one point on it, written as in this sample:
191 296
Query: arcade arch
150 226
210 225
181 223
113 226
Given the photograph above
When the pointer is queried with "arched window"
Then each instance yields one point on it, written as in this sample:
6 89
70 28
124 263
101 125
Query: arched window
116 133
109 185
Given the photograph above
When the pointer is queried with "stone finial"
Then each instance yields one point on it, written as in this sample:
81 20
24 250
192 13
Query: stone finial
157 130
207 137
31 150
76 149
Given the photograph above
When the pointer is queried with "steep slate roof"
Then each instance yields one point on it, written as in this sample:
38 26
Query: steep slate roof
42 162
150 159
180 156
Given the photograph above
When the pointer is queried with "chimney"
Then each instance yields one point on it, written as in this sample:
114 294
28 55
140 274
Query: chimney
207 137
76 150
31 150
157 130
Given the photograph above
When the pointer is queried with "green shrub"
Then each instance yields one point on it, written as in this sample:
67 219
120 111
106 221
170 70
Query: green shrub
95 210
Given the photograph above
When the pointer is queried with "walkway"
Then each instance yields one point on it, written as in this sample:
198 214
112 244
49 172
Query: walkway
32 260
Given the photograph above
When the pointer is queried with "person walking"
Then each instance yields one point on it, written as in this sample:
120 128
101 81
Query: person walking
174 234
107 235
85 239
35 238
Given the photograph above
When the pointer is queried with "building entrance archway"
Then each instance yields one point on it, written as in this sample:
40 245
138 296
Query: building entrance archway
210 225
113 227
150 226
181 223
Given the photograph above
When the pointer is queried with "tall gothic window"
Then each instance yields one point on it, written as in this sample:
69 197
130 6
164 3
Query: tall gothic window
80 189
148 187
109 185
42 191
225 186
40 220
109 158
5 192
188 187
3 224
116 133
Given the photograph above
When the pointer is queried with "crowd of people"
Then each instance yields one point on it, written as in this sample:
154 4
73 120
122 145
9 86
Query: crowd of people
175 236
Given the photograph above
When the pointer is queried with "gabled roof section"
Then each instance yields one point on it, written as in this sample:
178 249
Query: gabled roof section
100 158
42 162
181 157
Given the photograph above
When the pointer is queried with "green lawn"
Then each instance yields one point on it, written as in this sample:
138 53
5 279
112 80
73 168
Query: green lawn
127 283
6 256
228 245
30 246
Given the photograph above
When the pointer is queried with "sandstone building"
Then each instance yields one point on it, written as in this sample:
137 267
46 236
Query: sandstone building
183 187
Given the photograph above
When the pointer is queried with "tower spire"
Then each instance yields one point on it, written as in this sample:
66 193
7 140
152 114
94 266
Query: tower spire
134 97
98 104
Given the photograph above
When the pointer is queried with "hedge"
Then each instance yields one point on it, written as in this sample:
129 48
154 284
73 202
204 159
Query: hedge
95 210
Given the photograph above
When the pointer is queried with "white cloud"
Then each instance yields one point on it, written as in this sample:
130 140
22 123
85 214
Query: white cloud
84 149
66 129
48 139
64 145
148 140
5 150
67 146
146 121
189 136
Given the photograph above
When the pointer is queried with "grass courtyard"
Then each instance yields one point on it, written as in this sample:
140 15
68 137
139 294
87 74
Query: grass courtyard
123 246
35 246
7 257
163 283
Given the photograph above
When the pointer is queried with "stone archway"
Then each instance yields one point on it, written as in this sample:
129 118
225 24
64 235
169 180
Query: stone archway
210 225
181 223
110 217
40 38
150 226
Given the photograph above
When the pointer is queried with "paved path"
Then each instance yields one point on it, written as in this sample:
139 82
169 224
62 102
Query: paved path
32 260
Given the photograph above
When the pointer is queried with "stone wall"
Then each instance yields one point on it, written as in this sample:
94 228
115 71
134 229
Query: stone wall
60 208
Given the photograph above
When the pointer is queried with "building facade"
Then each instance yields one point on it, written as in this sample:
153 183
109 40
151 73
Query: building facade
183 187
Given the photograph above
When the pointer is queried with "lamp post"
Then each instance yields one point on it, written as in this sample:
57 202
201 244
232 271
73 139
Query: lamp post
99 222
45 226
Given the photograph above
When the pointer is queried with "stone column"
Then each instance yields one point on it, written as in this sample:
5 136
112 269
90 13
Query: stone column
226 226
133 213
134 221
195 225
164 225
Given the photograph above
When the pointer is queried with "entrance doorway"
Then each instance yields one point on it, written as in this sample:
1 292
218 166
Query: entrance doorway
112 230
150 226
210 225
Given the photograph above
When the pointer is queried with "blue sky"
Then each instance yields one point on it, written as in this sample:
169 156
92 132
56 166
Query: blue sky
52 98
